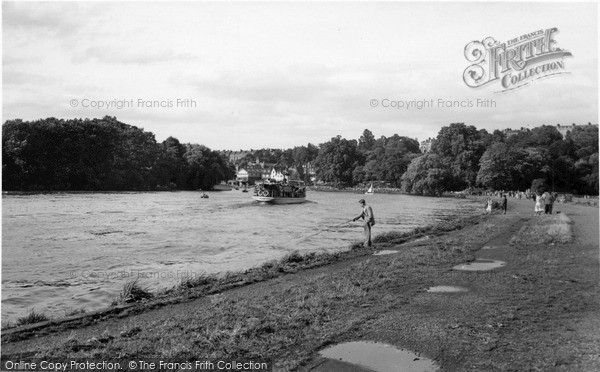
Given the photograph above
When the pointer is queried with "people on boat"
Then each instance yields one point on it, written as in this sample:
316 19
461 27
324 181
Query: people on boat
369 221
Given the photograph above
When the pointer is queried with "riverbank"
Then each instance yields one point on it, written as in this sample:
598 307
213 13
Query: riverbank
539 311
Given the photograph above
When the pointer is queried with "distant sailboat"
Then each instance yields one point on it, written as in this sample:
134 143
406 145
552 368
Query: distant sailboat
370 190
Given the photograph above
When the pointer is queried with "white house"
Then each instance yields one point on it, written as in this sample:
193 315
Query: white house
277 174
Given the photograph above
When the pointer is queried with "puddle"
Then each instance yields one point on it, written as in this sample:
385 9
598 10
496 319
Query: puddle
425 238
381 253
480 265
494 246
447 289
379 357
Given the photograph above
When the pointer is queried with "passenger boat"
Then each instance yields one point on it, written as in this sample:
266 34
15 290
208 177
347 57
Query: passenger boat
275 192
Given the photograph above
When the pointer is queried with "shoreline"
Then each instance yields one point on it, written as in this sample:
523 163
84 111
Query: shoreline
539 311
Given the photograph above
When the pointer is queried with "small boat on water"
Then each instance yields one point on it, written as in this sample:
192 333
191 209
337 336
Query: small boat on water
204 196
370 190
275 192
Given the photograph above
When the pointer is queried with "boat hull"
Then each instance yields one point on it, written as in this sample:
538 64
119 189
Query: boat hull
279 200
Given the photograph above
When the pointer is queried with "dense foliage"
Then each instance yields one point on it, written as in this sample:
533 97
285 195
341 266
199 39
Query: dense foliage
102 154
497 162
462 156
105 154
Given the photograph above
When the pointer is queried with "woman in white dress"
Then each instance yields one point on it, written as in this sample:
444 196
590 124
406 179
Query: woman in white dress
539 204
489 206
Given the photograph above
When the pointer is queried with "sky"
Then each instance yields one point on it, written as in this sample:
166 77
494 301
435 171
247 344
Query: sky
253 75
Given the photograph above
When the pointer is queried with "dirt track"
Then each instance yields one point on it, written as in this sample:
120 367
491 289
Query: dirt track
539 312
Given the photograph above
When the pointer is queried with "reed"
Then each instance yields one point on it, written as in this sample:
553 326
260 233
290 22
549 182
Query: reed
32 317
132 292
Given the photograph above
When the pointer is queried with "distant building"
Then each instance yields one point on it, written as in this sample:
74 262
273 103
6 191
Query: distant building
511 132
237 155
425 146
277 174
249 174
564 129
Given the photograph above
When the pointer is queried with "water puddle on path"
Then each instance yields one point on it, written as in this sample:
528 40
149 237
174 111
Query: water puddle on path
447 289
379 357
494 246
480 264
381 253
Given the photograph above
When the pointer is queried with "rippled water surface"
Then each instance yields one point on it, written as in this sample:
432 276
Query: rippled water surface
62 252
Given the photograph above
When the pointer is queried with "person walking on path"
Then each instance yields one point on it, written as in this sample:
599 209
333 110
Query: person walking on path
538 204
369 219
546 197
504 203
489 205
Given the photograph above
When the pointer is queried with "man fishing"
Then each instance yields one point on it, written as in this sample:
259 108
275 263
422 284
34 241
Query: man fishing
367 215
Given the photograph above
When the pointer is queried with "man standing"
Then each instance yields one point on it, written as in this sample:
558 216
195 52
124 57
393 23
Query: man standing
367 215
504 203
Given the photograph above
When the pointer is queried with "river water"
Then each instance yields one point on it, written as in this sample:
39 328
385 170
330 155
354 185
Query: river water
63 252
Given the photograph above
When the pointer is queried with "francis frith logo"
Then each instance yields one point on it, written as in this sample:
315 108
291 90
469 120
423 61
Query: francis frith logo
514 63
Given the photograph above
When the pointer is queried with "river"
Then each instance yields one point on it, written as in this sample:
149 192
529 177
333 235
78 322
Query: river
69 251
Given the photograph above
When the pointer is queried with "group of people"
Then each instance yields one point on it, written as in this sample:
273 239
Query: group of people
544 203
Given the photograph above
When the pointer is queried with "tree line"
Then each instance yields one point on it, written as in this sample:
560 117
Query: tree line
463 157
103 155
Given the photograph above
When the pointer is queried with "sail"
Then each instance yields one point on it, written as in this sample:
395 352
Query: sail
370 190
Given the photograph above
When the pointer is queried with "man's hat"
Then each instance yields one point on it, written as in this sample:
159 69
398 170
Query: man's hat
361 201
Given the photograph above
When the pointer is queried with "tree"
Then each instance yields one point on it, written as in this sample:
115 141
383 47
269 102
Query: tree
172 166
460 148
495 168
426 175
337 160
206 167
366 142
506 168
538 186
97 154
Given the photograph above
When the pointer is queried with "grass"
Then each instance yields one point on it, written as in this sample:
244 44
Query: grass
545 229
73 311
132 292
32 317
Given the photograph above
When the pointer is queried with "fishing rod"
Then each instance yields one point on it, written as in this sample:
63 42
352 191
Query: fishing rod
320 231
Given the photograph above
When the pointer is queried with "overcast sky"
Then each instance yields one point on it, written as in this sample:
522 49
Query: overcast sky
285 74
